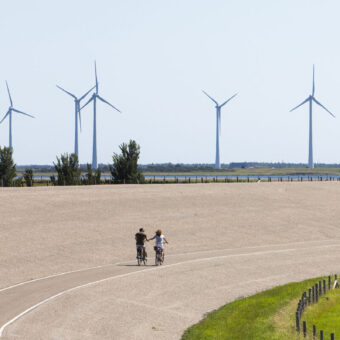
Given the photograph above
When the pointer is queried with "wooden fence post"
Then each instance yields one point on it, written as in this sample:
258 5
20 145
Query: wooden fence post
297 317
321 335
314 331
309 295
304 328
324 286
320 288
332 336
316 293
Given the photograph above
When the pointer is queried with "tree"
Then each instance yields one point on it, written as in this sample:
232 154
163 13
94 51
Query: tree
7 167
67 168
98 175
93 178
28 177
125 165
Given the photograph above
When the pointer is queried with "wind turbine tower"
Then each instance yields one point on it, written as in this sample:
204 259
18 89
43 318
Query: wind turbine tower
9 113
310 100
218 127
94 98
76 114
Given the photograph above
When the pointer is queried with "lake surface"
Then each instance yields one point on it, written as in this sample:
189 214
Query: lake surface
221 178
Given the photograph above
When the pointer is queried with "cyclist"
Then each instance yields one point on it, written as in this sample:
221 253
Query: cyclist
160 239
140 238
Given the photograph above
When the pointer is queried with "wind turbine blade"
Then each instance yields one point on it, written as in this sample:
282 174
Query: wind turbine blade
313 91
9 94
210 98
323 107
69 93
83 96
4 117
229 99
86 103
304 102
106 102
23 113
95 71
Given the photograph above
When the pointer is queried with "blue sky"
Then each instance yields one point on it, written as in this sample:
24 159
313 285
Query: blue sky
154 57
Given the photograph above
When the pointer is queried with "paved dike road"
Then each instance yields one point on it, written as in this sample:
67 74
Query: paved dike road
68 259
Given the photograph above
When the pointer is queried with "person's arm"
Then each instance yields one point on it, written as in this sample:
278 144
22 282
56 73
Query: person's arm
165 240
150 239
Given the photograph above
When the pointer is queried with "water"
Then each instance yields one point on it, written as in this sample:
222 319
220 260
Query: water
220 177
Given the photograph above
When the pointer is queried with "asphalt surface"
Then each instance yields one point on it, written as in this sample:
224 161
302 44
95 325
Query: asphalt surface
235 240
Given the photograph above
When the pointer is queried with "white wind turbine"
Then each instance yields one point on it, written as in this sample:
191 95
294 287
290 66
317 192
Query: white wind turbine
310 99
94 98
9 114
218 127
76 114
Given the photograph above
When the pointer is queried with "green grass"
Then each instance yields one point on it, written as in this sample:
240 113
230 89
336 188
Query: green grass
268 315
325 315
229 172
253 172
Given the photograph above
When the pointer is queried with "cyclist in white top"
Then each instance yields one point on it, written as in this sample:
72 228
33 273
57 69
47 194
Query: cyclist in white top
160 239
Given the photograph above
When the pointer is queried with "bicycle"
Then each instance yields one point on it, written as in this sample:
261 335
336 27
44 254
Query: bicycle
159 256
140 256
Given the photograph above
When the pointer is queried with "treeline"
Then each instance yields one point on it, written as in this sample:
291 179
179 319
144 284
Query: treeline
180 167
278 165
124 169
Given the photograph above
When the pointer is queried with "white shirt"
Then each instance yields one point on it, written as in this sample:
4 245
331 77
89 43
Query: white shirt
159 241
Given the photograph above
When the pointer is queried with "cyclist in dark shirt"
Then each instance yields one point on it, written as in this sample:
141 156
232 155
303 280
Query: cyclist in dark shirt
140 238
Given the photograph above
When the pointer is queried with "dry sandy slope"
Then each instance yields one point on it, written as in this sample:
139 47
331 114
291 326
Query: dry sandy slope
50 230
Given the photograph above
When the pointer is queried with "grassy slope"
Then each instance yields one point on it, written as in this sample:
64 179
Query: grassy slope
325 315
267 315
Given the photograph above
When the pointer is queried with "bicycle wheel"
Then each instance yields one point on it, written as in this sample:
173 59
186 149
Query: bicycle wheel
157 259
139 257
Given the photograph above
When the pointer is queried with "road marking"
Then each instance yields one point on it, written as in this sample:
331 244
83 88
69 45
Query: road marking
149 270
168 255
